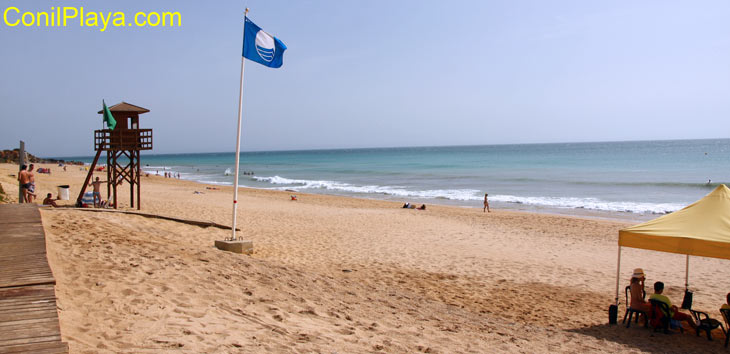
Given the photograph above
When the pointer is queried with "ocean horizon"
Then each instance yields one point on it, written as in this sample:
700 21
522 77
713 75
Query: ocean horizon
628 179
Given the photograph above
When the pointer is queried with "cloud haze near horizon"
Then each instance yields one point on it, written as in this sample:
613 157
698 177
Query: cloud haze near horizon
375 73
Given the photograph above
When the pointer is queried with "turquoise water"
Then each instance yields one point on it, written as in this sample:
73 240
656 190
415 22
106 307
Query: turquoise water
636 178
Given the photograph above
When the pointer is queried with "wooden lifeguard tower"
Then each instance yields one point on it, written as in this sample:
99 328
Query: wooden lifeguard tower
122 146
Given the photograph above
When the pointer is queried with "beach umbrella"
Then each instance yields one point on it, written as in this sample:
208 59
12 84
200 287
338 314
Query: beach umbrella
700 229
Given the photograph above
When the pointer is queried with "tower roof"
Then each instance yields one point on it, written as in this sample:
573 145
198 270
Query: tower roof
126 107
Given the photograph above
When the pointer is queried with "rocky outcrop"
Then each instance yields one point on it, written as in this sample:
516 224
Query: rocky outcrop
11 156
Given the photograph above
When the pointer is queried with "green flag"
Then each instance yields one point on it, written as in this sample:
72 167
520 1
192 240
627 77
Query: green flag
108 117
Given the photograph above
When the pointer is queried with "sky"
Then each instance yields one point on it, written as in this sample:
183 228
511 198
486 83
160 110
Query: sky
374 74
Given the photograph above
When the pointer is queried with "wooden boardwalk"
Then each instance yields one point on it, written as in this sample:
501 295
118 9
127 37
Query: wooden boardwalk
28 314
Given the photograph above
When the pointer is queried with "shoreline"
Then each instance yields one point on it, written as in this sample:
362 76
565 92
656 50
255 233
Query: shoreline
628 217
563 212
632 178
506 206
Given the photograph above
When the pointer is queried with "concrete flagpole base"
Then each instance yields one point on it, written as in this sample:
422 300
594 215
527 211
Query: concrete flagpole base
235 246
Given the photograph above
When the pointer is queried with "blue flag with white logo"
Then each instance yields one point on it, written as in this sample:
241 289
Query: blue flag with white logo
262 47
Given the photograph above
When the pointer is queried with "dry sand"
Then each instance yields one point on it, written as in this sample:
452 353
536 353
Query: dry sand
333 274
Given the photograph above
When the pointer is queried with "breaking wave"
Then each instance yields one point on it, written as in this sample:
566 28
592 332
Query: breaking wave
452 194
476 196
591 204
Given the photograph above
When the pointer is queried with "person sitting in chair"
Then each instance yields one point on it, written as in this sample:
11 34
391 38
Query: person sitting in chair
726 306
637 291
673 310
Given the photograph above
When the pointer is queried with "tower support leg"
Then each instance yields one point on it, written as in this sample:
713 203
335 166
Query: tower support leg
88 178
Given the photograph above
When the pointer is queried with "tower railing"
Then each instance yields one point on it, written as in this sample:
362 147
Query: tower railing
128 139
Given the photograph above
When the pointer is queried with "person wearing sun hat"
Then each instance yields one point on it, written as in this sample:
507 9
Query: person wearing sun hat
637 291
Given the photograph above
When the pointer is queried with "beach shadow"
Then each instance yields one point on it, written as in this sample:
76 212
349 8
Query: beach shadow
646 340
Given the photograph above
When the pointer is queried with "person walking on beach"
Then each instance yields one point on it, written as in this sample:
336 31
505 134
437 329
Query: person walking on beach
23 180
97 187
486 204
31 182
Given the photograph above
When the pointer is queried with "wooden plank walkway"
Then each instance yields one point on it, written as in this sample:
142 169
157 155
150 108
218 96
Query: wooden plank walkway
28 314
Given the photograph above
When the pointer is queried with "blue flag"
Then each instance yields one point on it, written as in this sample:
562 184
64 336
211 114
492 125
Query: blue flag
262 47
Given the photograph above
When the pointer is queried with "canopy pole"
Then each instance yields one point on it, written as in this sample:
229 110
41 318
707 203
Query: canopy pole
686 274
618 272
238 142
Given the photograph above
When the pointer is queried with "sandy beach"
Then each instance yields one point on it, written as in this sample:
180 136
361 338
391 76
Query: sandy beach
335 274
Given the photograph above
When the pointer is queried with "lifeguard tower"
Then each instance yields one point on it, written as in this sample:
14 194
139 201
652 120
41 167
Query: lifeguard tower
122 146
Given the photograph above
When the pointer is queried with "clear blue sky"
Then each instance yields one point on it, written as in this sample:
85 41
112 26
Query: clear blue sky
375 73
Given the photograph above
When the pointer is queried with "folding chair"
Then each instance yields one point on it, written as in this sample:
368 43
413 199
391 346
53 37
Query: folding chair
706 324
659 316
630 311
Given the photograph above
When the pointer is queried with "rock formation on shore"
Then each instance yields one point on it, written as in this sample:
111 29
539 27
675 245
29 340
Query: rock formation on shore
11 156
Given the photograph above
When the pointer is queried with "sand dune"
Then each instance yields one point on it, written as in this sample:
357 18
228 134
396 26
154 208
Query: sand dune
333 274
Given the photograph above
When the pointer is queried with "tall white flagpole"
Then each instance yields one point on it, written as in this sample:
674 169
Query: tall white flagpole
238 140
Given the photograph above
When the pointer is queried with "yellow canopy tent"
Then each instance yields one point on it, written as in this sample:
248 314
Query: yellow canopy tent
700 229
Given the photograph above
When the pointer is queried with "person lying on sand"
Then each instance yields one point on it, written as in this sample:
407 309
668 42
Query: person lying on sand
422 207
50 201
673 310
638 292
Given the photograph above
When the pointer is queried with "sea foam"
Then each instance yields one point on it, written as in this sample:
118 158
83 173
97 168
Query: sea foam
452 194
476 196
590 203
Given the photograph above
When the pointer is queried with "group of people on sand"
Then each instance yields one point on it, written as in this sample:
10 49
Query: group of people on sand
413 206
637 298
27 183
639 303
168 174
423 206
26 177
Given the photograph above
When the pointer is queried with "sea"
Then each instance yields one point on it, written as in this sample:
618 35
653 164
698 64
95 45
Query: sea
626 180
